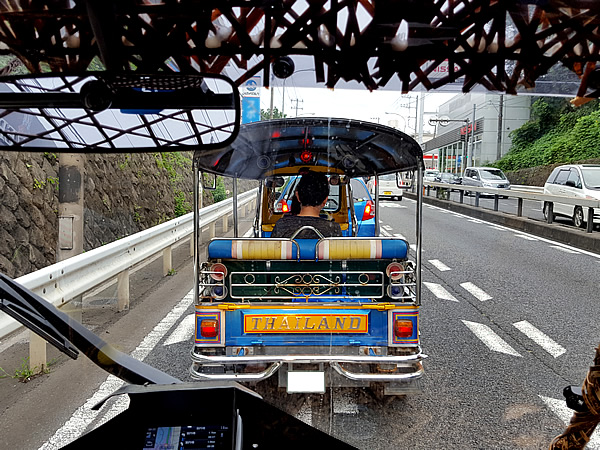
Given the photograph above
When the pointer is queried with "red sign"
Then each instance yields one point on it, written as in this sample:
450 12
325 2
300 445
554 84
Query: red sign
467 129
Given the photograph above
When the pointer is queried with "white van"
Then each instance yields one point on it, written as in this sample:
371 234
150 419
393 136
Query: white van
574 180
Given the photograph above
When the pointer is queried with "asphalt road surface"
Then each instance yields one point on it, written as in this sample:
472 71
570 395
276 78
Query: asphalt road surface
508 320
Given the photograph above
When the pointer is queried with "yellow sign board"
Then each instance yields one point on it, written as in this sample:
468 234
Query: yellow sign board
306 323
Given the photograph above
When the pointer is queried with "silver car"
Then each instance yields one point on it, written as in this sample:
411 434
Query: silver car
485 177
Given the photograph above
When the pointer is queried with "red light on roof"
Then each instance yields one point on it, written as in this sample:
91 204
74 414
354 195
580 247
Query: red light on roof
306 156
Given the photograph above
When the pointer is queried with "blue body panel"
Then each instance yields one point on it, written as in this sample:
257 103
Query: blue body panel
377 334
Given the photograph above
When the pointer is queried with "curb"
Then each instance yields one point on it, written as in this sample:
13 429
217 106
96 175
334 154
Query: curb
557 232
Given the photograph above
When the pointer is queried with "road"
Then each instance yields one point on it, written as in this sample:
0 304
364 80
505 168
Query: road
507 320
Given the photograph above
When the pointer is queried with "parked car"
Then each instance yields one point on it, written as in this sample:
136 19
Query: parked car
485 177
388 187
448 178
430 174
574 180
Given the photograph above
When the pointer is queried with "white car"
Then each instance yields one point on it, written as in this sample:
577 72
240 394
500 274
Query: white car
577 181
387 187
430 174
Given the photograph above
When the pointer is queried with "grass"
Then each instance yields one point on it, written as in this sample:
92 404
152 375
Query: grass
26 373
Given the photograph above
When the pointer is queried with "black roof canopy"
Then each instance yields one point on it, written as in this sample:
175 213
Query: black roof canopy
353 147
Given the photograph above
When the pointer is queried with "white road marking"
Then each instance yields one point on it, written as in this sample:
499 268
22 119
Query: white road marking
183 332
476 292
387 227
475 221
566 250
84 415
490 339
439 265
439 291
401 236
537 238
385 233
496 227
249 233
413 247
392 205
526 237
564 413
540 338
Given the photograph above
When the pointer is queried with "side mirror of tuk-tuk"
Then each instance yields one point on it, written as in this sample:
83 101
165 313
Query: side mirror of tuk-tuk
209 181
274 182
404 180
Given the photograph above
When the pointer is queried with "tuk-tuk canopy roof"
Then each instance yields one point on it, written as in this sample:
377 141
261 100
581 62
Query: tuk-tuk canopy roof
357 148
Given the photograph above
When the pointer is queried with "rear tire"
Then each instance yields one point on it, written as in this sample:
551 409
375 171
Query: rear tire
578 217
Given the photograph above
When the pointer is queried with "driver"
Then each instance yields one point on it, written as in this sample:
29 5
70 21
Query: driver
312 193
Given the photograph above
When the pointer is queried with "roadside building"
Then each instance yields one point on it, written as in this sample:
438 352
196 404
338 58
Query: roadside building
487 137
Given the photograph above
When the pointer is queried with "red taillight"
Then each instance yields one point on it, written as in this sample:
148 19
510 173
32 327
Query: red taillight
403 328
209 328
284 207
369 212
218 272
394 271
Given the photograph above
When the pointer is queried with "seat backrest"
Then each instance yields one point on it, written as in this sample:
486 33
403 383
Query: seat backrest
352 248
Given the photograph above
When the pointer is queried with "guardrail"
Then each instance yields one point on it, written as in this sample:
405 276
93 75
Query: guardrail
61 282
520 194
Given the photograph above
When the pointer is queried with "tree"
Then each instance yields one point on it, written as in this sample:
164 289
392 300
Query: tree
265 114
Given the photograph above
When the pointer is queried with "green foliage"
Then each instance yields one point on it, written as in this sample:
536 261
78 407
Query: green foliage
556 134
182 206
170 161
25 373
219 194
265 114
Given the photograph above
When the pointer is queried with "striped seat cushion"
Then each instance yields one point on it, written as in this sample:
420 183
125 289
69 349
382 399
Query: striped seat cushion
350 248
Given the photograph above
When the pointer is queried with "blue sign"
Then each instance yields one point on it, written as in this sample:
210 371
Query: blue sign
250 109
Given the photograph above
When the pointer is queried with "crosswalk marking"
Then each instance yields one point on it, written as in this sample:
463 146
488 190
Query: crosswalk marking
439 291
439 265
476 292
564 413
566 250
540 338
490 339
183 332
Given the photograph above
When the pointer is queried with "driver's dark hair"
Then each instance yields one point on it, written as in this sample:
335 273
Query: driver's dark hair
313 188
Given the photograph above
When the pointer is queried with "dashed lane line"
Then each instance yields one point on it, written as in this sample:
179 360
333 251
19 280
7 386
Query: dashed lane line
476 292
540 338
439 265
183 332
490 339
439 291
84 415
564 413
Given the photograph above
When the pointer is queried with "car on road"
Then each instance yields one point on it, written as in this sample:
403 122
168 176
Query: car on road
448 178
430 174
577 181
485 177
388 187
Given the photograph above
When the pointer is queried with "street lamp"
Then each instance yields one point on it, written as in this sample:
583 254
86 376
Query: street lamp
402 117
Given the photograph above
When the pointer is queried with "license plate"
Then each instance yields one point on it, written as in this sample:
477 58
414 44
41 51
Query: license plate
306 323
301 382
387 192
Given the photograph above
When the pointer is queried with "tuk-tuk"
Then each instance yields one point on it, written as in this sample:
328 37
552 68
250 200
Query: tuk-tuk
320 312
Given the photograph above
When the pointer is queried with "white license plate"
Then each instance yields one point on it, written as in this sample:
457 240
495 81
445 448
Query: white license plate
301 382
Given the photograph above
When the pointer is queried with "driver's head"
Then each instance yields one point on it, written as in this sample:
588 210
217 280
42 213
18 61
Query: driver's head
313 189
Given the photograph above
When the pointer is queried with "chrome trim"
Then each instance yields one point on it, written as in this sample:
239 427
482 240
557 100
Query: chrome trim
307 359
379 376
259 376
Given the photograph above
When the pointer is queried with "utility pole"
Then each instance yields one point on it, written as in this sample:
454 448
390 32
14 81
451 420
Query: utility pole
470 162
500 127
297 107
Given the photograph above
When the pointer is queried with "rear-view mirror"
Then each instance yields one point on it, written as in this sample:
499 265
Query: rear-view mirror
274 182
125 112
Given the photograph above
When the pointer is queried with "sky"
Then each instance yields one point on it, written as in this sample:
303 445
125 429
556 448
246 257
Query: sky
383 107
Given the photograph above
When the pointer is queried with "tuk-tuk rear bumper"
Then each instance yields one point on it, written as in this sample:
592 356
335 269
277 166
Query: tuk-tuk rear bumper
408 367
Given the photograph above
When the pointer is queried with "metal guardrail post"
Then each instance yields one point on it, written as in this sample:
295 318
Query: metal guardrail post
123 290
225 223
496 201
167 260
549 212
461 196
519 207
590 222
477 195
